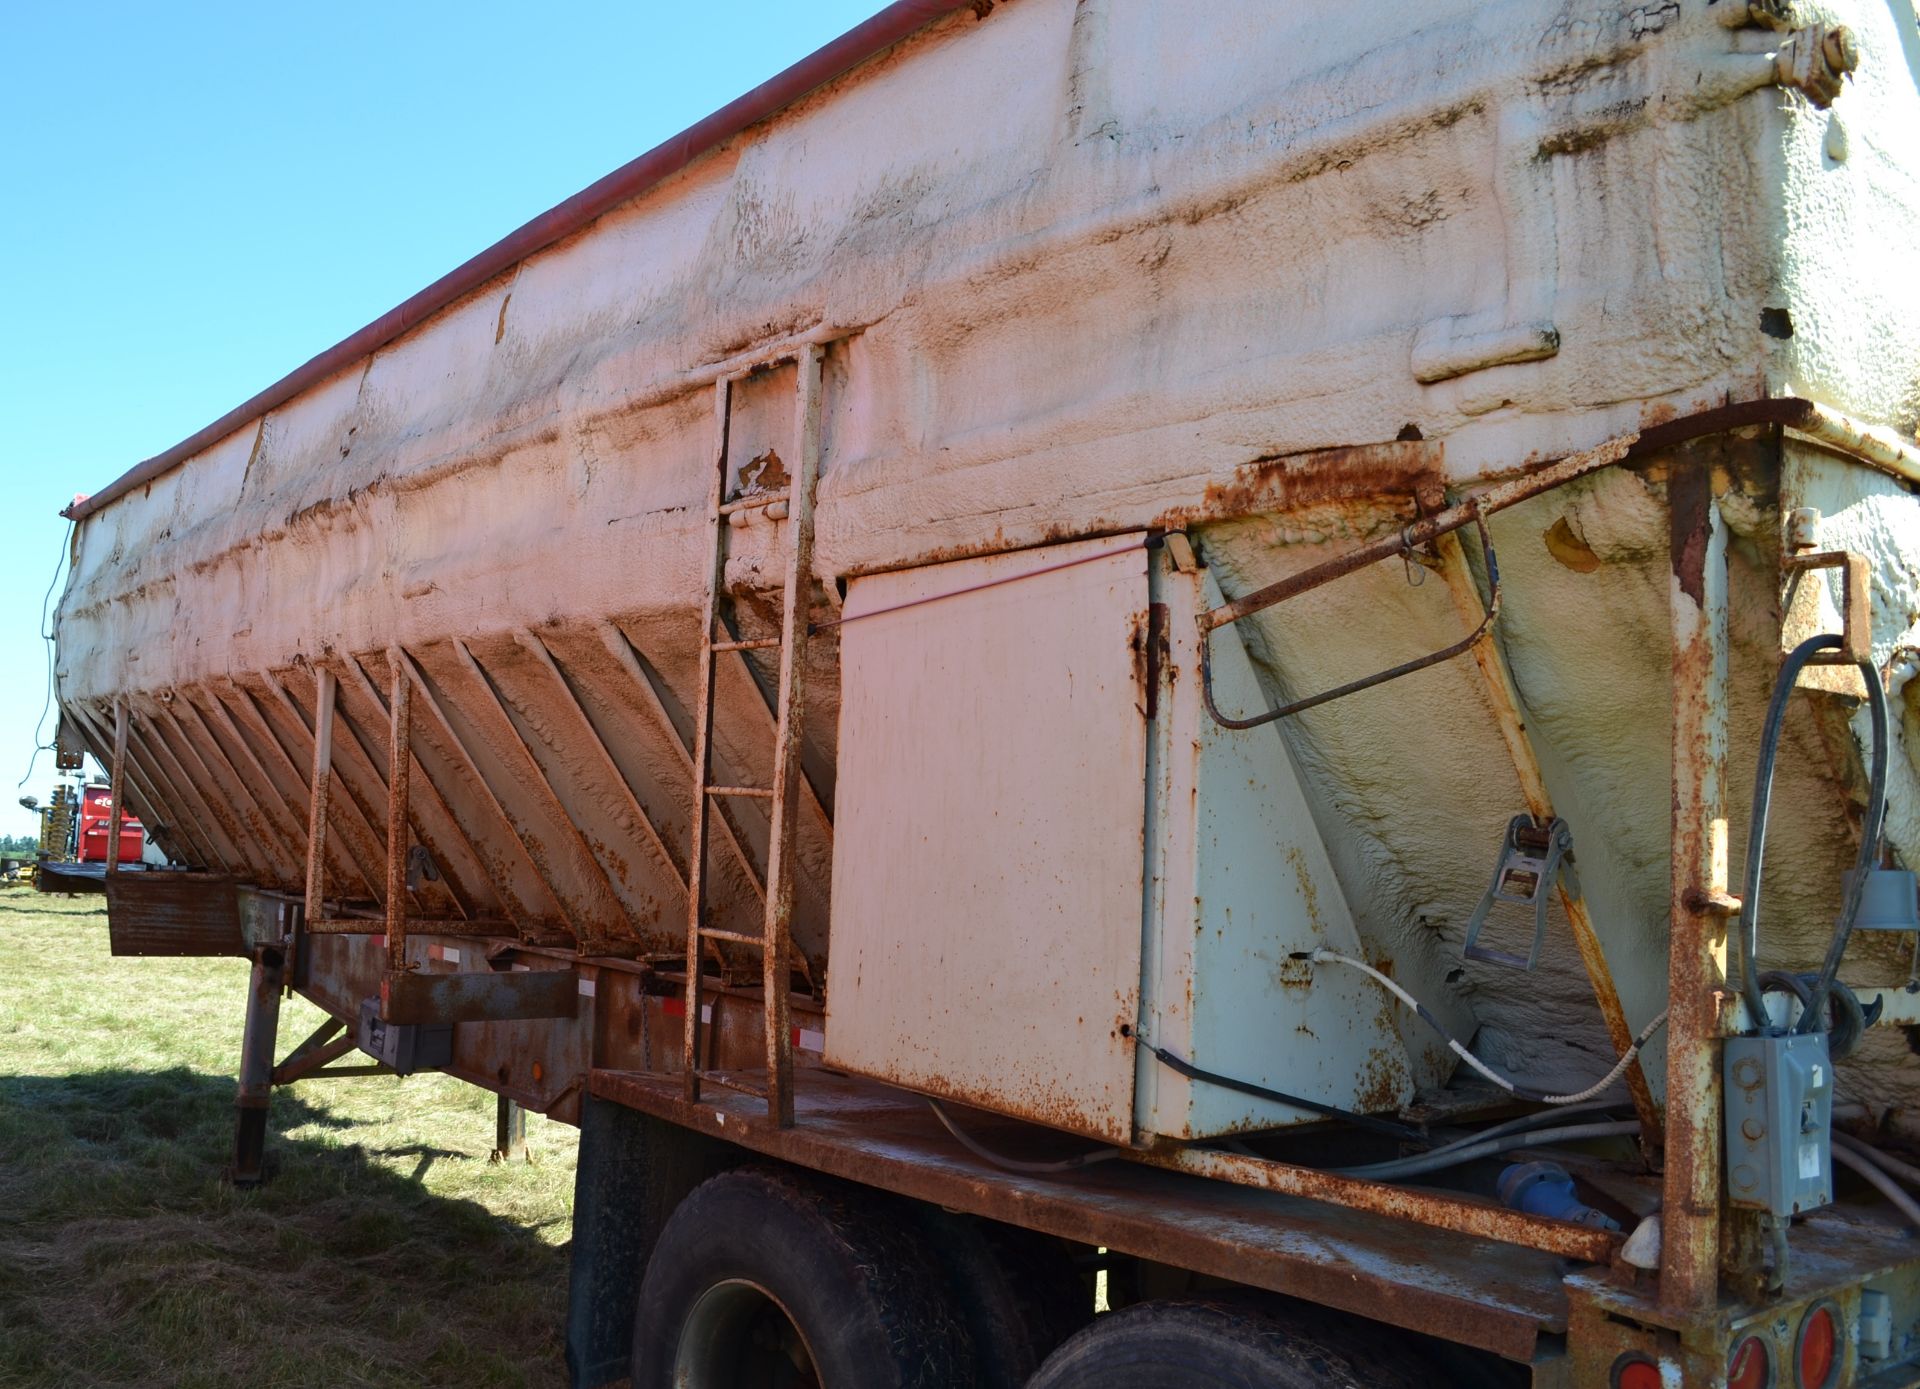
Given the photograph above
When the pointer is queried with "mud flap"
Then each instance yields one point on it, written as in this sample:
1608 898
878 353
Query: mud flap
167 913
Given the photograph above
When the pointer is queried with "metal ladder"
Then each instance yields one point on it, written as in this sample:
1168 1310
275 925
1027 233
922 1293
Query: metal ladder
775 941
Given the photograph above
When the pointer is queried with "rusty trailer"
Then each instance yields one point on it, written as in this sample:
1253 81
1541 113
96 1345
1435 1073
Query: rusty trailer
947 691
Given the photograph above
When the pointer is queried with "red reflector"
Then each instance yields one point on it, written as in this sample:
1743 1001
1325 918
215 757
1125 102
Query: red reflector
1751 1366
1819 1347
1633 1371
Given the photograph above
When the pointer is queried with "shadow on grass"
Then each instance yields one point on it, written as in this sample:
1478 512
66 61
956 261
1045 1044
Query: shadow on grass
67 904
126 1260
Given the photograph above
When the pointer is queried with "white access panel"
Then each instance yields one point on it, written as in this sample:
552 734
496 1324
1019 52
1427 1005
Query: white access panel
988 835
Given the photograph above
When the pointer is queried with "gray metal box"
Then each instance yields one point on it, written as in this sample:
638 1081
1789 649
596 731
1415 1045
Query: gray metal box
407 1047
1779 1115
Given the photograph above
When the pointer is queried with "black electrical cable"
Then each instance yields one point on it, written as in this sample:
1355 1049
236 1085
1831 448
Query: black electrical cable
1814 1019
1783 686
46 635
1247 1087
1848 1021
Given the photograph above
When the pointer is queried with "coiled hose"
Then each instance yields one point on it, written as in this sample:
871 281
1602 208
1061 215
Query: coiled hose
1813 1015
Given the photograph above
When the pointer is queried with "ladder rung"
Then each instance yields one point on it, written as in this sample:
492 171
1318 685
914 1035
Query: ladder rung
752 644
737 937
764 793
758 499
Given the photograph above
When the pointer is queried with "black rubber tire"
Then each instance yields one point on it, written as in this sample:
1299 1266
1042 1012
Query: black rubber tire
1016 1290
847 1266
1227 1344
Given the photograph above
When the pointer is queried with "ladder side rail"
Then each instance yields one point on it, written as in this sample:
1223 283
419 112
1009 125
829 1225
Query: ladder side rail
777 932
703 732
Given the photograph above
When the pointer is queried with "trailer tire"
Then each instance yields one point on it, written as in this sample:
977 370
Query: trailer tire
1225 1344
766 1280
1017 1291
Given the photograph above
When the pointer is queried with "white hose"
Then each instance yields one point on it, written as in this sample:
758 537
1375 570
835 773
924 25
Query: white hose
1324 956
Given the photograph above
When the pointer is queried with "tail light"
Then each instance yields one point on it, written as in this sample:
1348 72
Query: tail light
1751 1365
1634 1371
1816 1350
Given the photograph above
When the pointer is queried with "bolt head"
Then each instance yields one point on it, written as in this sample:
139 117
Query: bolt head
1841 49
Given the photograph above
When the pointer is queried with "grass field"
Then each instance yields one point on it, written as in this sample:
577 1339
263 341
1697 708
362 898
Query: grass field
386 1249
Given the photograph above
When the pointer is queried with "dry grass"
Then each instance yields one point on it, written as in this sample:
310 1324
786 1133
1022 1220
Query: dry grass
387 1250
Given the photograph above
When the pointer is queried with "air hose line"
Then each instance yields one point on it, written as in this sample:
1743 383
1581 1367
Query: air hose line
1813 1014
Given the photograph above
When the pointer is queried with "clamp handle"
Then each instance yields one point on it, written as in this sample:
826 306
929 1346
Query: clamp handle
1532 858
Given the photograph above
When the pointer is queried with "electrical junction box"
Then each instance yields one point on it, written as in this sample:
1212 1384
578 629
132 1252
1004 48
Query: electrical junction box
1779 1117
407 1047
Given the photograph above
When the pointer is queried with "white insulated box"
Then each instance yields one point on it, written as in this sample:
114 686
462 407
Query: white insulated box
1046 852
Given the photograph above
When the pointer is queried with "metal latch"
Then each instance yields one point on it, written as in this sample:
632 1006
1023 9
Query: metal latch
1531 859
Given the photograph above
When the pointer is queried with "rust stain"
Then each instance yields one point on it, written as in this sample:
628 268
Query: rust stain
1570 548
763 472
1361 472
1308 894
1689 498
1378 1086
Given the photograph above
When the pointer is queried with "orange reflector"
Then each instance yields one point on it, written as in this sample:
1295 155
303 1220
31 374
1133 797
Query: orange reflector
1819 1347
1635 1371
1751 1366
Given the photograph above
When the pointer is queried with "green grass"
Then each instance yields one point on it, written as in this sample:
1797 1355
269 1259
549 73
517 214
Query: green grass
386 1249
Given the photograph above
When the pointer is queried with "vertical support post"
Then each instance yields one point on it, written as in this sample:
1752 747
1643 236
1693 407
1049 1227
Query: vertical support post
703 734
788 724
1697 950
319 787
1503 698
509 1130
256 1067
399 772
117 784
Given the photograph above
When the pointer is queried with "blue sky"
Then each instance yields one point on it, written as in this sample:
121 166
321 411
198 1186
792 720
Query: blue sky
194 199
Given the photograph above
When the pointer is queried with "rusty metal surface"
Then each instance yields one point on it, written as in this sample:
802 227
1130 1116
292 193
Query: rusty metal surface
164 913
1690 1223
117 783
1433 1210
320 785
1472 1290
399 773
1425 530
1835 1251
479 995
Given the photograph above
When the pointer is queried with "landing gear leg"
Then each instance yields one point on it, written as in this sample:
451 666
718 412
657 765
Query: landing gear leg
256 1067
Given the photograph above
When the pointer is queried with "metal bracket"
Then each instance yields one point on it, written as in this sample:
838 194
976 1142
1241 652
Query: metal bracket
1531 859
1233 612
1804 613
1816 62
